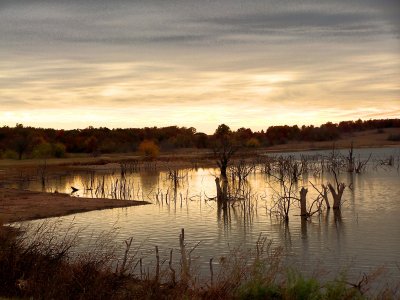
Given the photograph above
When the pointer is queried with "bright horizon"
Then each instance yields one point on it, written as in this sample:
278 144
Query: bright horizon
254 64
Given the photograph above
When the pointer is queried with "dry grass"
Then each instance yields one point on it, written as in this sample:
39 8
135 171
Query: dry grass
39 264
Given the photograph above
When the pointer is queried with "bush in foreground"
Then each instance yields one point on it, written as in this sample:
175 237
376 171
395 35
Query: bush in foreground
41 266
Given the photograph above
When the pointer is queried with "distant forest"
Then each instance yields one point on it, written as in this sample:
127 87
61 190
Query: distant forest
29 142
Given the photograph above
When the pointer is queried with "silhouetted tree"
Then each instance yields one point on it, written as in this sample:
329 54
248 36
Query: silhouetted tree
21 140
224 148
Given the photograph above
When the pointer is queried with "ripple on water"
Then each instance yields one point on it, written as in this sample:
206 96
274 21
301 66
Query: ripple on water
365 236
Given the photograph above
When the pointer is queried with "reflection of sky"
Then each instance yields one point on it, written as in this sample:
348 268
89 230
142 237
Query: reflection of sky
365 236
145 63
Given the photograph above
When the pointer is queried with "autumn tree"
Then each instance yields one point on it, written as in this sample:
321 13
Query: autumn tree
149 149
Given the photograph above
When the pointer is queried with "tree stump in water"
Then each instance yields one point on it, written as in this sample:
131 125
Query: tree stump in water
303 202
337 195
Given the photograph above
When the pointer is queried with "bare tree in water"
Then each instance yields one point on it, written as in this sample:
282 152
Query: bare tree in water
224 149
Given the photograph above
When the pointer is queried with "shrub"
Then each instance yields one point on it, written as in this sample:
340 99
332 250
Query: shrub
301 288
253 143
149 149
337 290
42 150
10 154
46 150
259 290
58 150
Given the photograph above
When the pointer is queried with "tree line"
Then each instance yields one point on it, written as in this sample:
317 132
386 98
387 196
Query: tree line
20 142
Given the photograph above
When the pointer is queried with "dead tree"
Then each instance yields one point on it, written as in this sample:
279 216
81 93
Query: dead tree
317 203
241 170
223 153
361 164
285 196
323 194
350 160
175 177
337 192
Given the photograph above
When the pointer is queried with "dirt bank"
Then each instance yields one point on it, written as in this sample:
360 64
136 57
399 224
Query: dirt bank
18 205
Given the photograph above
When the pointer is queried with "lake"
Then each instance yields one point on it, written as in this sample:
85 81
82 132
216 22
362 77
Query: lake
365 236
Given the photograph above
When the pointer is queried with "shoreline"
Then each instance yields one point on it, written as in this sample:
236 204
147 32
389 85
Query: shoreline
22 205
11 170
360 140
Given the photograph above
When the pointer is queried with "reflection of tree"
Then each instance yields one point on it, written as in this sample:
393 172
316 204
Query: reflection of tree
240 212
338 219
303 228
224 215
352 192
338 223
287 237
149 180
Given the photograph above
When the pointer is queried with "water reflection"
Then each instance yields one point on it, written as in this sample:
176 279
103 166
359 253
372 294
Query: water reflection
150 180
337 238
304 228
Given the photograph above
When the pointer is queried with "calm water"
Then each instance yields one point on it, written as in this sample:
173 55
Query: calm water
364 237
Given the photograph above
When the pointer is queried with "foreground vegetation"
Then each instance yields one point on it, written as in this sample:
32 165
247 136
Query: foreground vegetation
41 266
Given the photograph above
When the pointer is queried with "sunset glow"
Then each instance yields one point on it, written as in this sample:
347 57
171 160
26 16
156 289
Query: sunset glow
72 64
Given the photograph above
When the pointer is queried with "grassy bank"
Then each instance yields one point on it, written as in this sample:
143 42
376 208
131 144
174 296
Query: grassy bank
41 266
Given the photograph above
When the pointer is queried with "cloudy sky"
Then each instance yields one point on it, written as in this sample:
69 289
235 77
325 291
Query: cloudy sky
75 63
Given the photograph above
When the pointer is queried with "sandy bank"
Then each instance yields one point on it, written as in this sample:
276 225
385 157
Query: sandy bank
17 205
